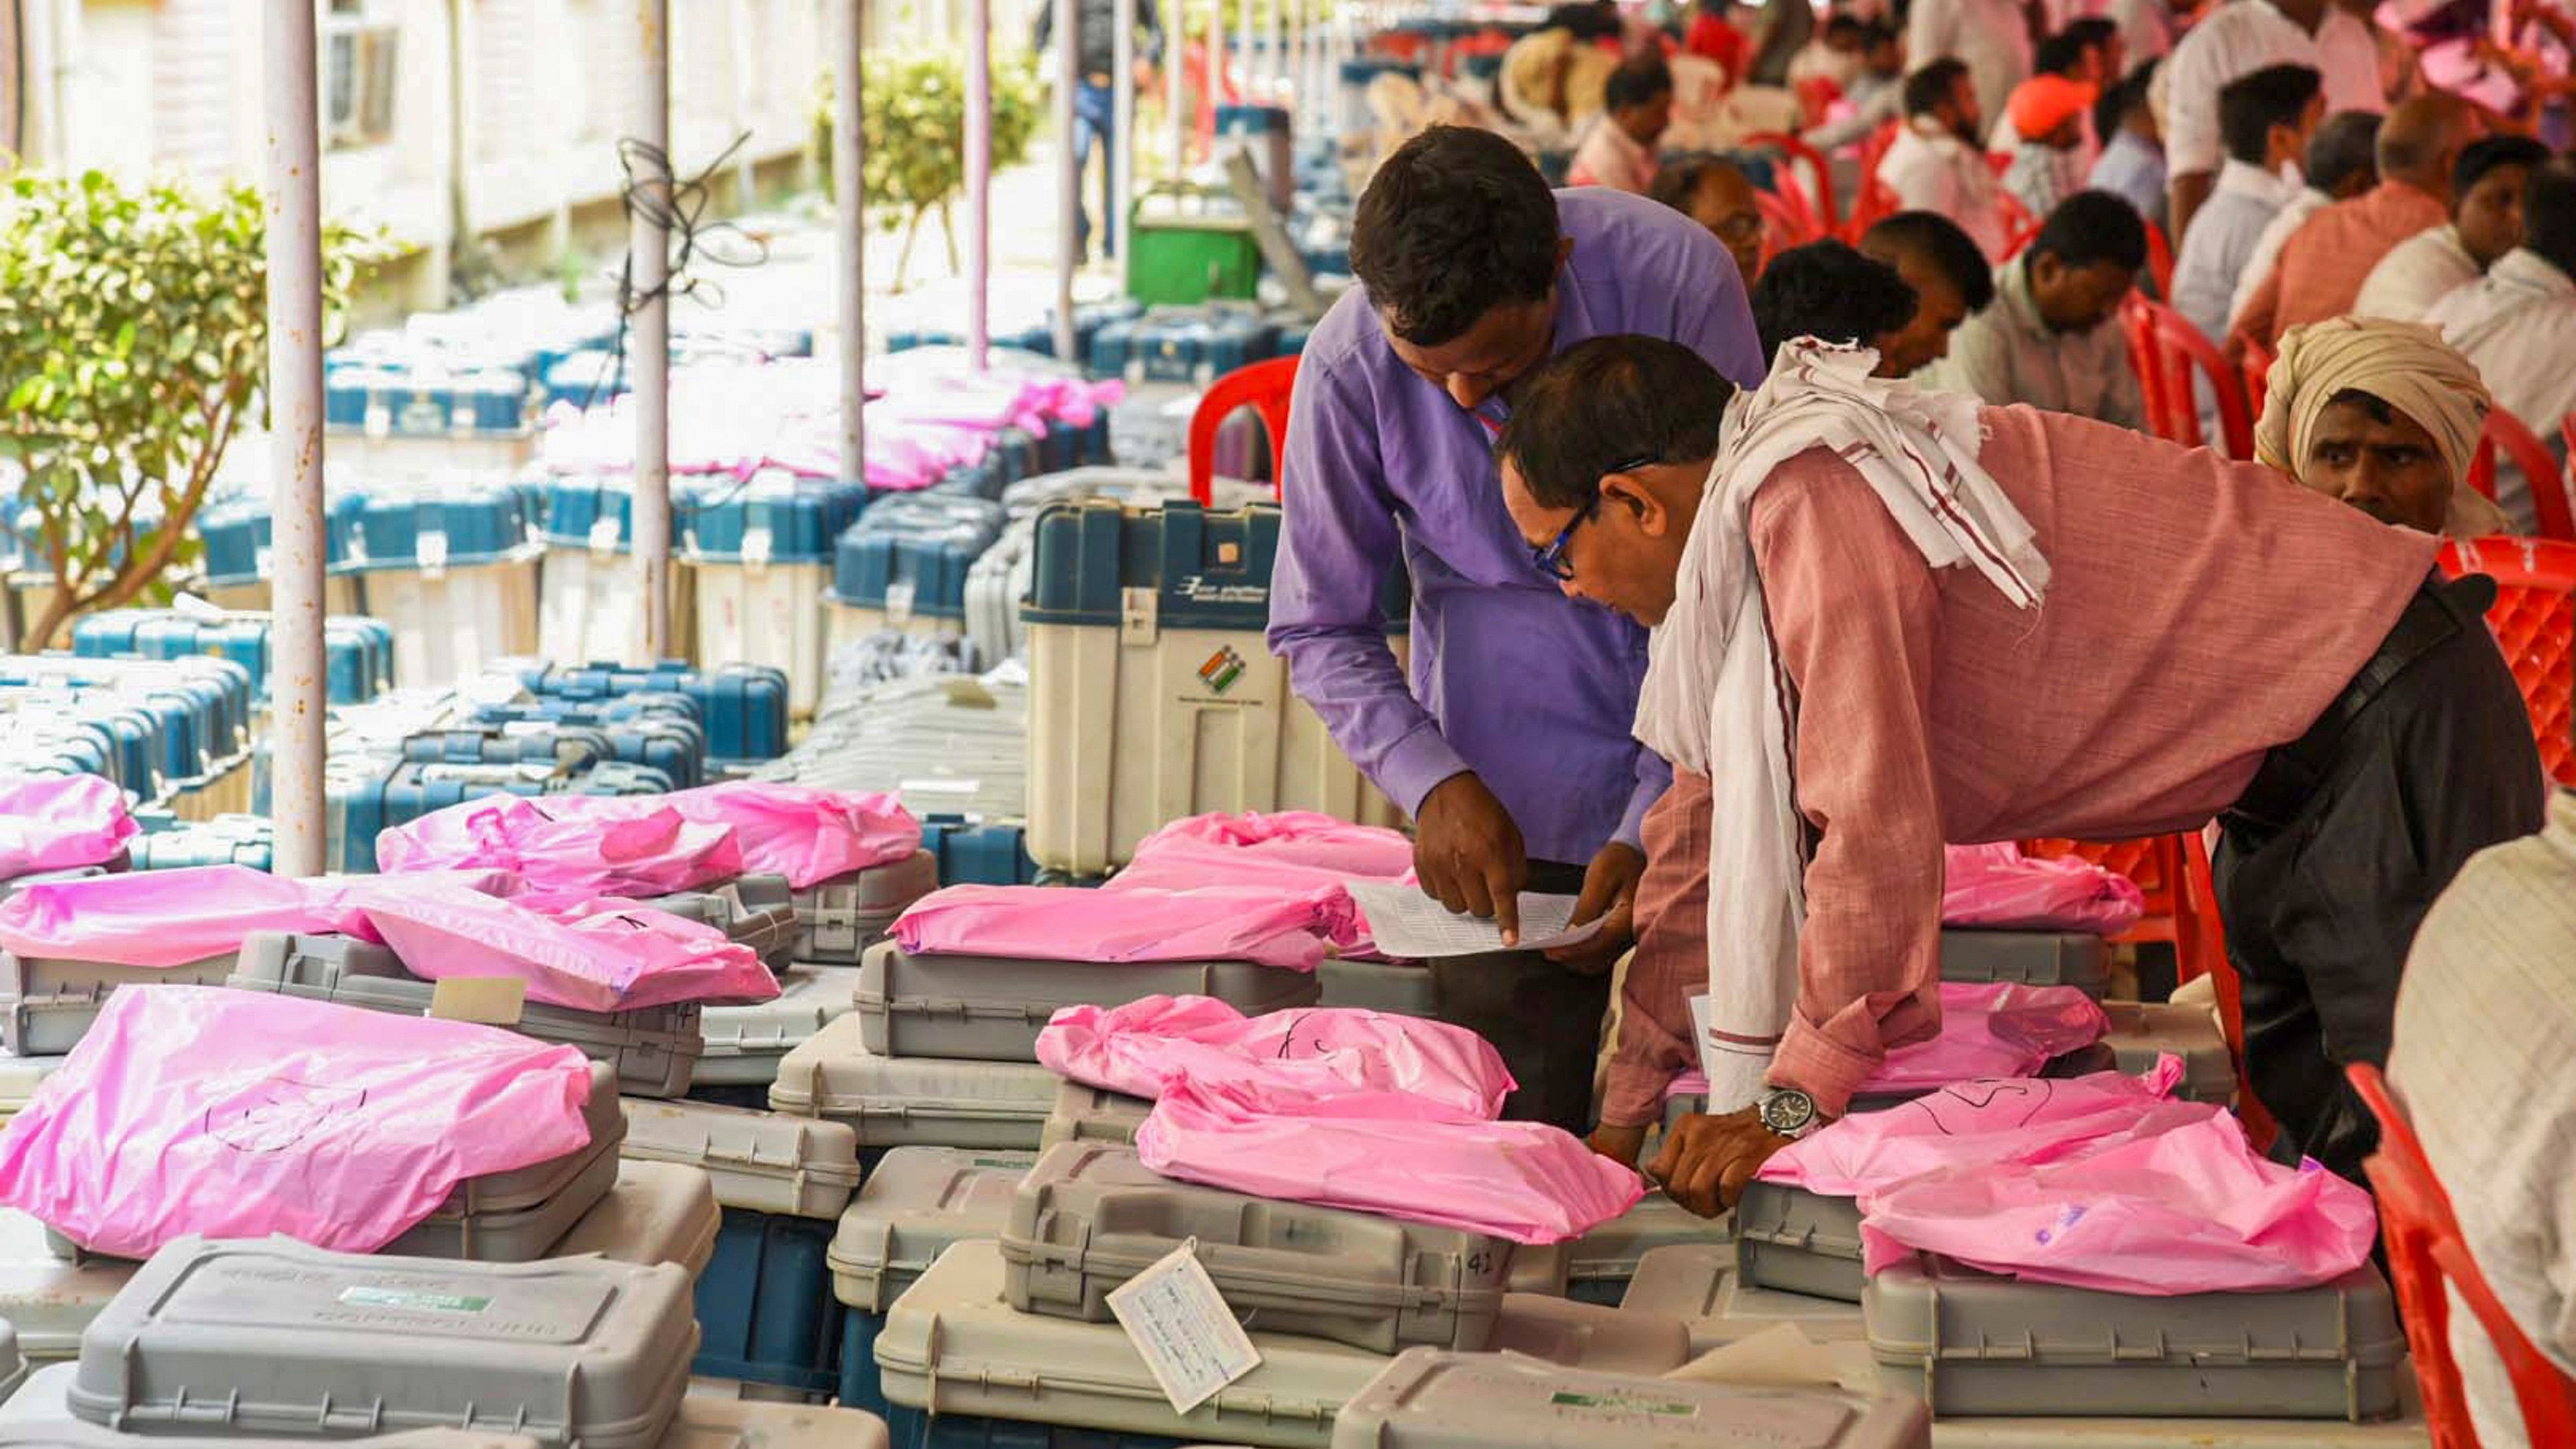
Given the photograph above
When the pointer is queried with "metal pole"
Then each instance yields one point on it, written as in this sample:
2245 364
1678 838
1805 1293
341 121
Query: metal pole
1216 60
1068 211
297 704
1301 86
850 228
1176 52
1122 146
1251 53
649 340
979 181
1274 62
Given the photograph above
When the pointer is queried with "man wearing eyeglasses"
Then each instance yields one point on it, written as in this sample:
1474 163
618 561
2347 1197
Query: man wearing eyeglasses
1510 745
1888 619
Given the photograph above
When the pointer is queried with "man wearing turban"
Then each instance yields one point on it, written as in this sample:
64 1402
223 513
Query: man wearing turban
2383 415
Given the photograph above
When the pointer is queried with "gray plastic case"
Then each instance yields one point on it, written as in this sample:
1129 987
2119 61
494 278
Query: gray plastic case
954 1345
1429 1399
19 1078
1093 1114
1971 1343
1406 989
742 1044
2033 958
991 1008
919 1202
513 1217
39 1416
1090 1216
839 919
658 1212
1601 1262
273 1337
2141 1032
911 1101
755 910
1702 1287
655 1049
50 1301
761 1161
1799 1242
47 1004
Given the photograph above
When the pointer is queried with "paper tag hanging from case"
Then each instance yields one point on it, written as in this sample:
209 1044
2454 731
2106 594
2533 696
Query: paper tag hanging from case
1182 1327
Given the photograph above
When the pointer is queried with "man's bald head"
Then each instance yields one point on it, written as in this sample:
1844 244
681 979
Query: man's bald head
1720 197
2422 139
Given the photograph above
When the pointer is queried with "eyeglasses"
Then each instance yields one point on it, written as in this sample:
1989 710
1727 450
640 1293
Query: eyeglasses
1550 557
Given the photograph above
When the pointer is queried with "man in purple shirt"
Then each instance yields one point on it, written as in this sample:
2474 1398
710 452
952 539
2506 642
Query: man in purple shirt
1511 745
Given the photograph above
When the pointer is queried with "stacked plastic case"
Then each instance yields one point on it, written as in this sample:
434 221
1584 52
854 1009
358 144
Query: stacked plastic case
840 919
916 1204
452 569
742 708
990 1008
1431 1399
762 556
758 911
743 1045
905 563
48 1003
592 602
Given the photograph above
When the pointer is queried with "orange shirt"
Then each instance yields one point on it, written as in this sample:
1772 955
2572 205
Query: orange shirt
2199 613
2326 260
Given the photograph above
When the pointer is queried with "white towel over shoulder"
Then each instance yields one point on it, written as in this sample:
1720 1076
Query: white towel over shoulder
1714 699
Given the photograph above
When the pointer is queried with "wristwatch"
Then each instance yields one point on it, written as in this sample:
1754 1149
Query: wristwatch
1787 1112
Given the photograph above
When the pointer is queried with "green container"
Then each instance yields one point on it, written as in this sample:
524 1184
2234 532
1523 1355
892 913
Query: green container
1184 259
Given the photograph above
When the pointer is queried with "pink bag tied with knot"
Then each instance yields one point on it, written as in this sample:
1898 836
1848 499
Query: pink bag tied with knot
1215 923
49 823
1290 837
172 917
1371 1064
1997 887
2002 1029
1974 1125
806 834
1524 1181
562 861
604 955
236 1114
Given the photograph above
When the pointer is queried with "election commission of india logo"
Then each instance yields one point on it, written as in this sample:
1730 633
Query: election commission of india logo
1222 669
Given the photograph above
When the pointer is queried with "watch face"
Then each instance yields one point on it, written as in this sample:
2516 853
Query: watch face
1786 1111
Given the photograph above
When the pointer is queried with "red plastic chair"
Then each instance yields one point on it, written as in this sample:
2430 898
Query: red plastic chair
2146 359
2160 263
1793 154
1816 97
1784 225
2534 622
2540 468
1263 387
2256 364
2179 351
2428 1261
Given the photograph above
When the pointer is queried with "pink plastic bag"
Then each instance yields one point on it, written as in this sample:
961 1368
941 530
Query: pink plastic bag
805 834
1290 837
564 861
236 1114
595 956
49 823
1524 1181
1998 1030
1217 923
1999 888
1975 1125
171 917
1371 1063
2171 1205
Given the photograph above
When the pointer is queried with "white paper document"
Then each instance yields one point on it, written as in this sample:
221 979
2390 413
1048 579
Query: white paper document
1407 924
1182 1327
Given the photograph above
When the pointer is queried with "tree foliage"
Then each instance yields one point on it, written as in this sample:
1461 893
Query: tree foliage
914 122
133 341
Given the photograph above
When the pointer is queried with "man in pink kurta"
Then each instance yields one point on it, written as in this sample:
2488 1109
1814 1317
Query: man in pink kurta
2213 641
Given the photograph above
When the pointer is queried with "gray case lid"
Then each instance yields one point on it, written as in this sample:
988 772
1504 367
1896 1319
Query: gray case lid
39 1416
19 1078
653 1048
743 1043
47 1300
1430 1399
1407 989
991 1008
1702 1287
762 1161
659 1212
2036 958
273 1337
913 1101
917 1204
1093 1114
2142 1032
1091 1216
755 910
841 918
1611 1252
1974 1343
47 1003
1799 1242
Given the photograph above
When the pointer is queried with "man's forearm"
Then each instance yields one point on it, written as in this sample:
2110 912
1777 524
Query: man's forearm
2188 191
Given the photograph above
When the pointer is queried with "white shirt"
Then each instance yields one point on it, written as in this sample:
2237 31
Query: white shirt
2485 1062
2515 324
2221 240
1930 169
2009 354
2416 273
2267 247
2242 37
1990 35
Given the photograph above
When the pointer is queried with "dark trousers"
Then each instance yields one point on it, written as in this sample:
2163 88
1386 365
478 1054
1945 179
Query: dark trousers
1095 122
2327 865
1544 1019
